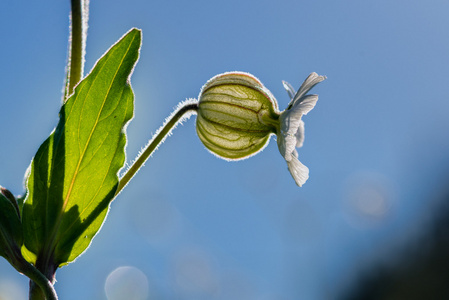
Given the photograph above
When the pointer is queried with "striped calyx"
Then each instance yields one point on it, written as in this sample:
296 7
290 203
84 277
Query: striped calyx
236 115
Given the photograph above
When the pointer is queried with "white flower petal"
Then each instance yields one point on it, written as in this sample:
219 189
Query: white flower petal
299 171
290 145
289 121
286 144
290 90
291 130
281 144
300 135
312 80
295 153
306 104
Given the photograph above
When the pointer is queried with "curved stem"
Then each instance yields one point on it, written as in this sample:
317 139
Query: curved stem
46 290
157 139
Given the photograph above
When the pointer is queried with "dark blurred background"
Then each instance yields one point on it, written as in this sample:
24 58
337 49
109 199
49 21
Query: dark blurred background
419 268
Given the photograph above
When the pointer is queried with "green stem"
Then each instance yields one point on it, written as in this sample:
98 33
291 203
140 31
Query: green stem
159 137
44 289
75 66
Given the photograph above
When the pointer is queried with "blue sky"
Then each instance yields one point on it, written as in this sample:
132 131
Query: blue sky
191 226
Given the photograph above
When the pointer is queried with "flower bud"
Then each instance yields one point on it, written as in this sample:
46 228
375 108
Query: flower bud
236 115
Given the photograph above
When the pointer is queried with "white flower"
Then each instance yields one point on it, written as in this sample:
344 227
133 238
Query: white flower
291 133
237 115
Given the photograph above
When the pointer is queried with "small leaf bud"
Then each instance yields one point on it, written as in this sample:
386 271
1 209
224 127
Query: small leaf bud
11 238
8 195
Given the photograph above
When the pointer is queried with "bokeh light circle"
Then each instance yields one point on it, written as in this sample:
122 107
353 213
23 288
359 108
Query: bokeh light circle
126 282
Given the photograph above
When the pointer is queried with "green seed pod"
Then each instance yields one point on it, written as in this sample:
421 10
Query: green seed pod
236 115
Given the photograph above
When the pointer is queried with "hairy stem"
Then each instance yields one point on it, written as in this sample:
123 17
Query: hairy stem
77 42
157 139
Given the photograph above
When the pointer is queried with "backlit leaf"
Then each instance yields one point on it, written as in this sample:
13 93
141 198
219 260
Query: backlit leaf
73 175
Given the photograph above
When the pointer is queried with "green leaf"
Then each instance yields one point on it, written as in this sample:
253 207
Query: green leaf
10 230
74 174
